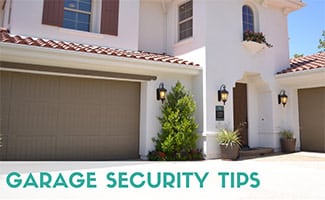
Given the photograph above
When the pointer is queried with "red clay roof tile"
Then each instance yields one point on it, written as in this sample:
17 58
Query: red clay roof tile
17 39
304 63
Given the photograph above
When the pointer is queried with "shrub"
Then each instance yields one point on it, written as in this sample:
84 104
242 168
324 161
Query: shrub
178 135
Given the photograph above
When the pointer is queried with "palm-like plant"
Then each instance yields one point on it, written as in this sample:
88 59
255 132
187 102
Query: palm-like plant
228 137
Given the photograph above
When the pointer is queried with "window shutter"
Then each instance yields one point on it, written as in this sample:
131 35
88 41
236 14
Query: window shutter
53 12
109 18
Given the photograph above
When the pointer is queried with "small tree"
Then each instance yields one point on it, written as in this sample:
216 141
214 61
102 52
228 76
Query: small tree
178 128
321 45
296 55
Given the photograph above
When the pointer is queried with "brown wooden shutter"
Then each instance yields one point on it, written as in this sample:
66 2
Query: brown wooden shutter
53 12
109 18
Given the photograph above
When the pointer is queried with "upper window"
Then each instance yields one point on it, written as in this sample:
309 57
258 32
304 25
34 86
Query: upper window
248 19
185 20
77 14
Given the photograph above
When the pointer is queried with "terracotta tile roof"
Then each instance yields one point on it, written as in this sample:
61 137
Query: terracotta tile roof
5 36
311 62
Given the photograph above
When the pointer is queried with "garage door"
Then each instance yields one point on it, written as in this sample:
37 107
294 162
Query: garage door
312 119
63 118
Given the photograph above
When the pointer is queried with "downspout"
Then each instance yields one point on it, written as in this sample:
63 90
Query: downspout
164 11
9 13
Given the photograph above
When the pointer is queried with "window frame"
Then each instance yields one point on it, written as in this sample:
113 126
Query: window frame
90 13
180 22
245 19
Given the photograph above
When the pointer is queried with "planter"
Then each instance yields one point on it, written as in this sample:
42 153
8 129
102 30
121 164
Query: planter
229 152
254 47
288 145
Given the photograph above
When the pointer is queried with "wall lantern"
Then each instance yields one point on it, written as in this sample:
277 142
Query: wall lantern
223 94
282 98
161 93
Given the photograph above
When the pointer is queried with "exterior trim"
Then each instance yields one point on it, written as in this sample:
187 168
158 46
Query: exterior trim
80 60
81 72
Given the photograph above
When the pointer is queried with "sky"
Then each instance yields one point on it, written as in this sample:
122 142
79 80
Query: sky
305 27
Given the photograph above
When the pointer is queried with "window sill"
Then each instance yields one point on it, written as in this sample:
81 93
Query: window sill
183 42
254 47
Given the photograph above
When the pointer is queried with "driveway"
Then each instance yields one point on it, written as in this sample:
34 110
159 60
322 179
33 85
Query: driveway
299 156
292 176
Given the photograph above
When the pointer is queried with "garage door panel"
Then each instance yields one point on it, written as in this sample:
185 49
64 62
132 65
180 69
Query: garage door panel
76 90
123 92
4 114
63 118
31 87
79 118
98 148
311 118
33 116
3 146
5 84
128 142
31 147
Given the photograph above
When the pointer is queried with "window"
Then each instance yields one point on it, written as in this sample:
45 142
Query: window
248 19
185 20
77 14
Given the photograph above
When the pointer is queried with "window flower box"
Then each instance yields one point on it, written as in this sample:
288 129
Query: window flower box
255 41
254 47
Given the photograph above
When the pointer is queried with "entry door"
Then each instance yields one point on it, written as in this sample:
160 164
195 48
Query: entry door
240 111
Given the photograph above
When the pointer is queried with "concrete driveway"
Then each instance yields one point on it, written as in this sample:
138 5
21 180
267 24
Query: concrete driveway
292 176
299 156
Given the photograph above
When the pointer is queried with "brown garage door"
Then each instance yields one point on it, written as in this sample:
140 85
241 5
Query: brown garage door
62 118
312 119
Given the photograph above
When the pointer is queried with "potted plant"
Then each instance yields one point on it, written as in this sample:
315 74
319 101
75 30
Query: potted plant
229 142
255 37
287 141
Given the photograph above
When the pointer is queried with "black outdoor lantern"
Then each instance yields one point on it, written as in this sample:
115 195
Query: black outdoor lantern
223 94
282 98
161 93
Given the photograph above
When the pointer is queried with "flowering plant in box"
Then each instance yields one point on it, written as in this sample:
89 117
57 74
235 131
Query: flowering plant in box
256 37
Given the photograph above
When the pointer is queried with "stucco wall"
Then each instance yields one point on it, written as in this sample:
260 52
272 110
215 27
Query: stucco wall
152 26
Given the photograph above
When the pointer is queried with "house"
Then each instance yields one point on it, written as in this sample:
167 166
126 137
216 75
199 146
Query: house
79 78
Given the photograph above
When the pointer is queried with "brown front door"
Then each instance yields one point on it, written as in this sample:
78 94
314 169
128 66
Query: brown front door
240 111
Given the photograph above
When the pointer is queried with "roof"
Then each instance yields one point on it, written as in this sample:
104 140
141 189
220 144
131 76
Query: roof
6 37
304 63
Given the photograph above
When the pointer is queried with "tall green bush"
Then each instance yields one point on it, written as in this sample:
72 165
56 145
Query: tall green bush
178 128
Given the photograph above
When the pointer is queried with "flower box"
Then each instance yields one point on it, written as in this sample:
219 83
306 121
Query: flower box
254 47
255 41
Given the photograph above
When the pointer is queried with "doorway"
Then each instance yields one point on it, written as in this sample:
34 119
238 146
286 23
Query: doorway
240 112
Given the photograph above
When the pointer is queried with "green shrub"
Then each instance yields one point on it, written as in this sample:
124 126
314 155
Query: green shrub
178 135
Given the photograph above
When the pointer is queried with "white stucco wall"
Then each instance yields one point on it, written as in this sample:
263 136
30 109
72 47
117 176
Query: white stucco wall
152 26
217 46
26 19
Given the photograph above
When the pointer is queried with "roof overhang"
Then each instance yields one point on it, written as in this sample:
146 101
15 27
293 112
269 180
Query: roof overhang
303 79
25 54
287 6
